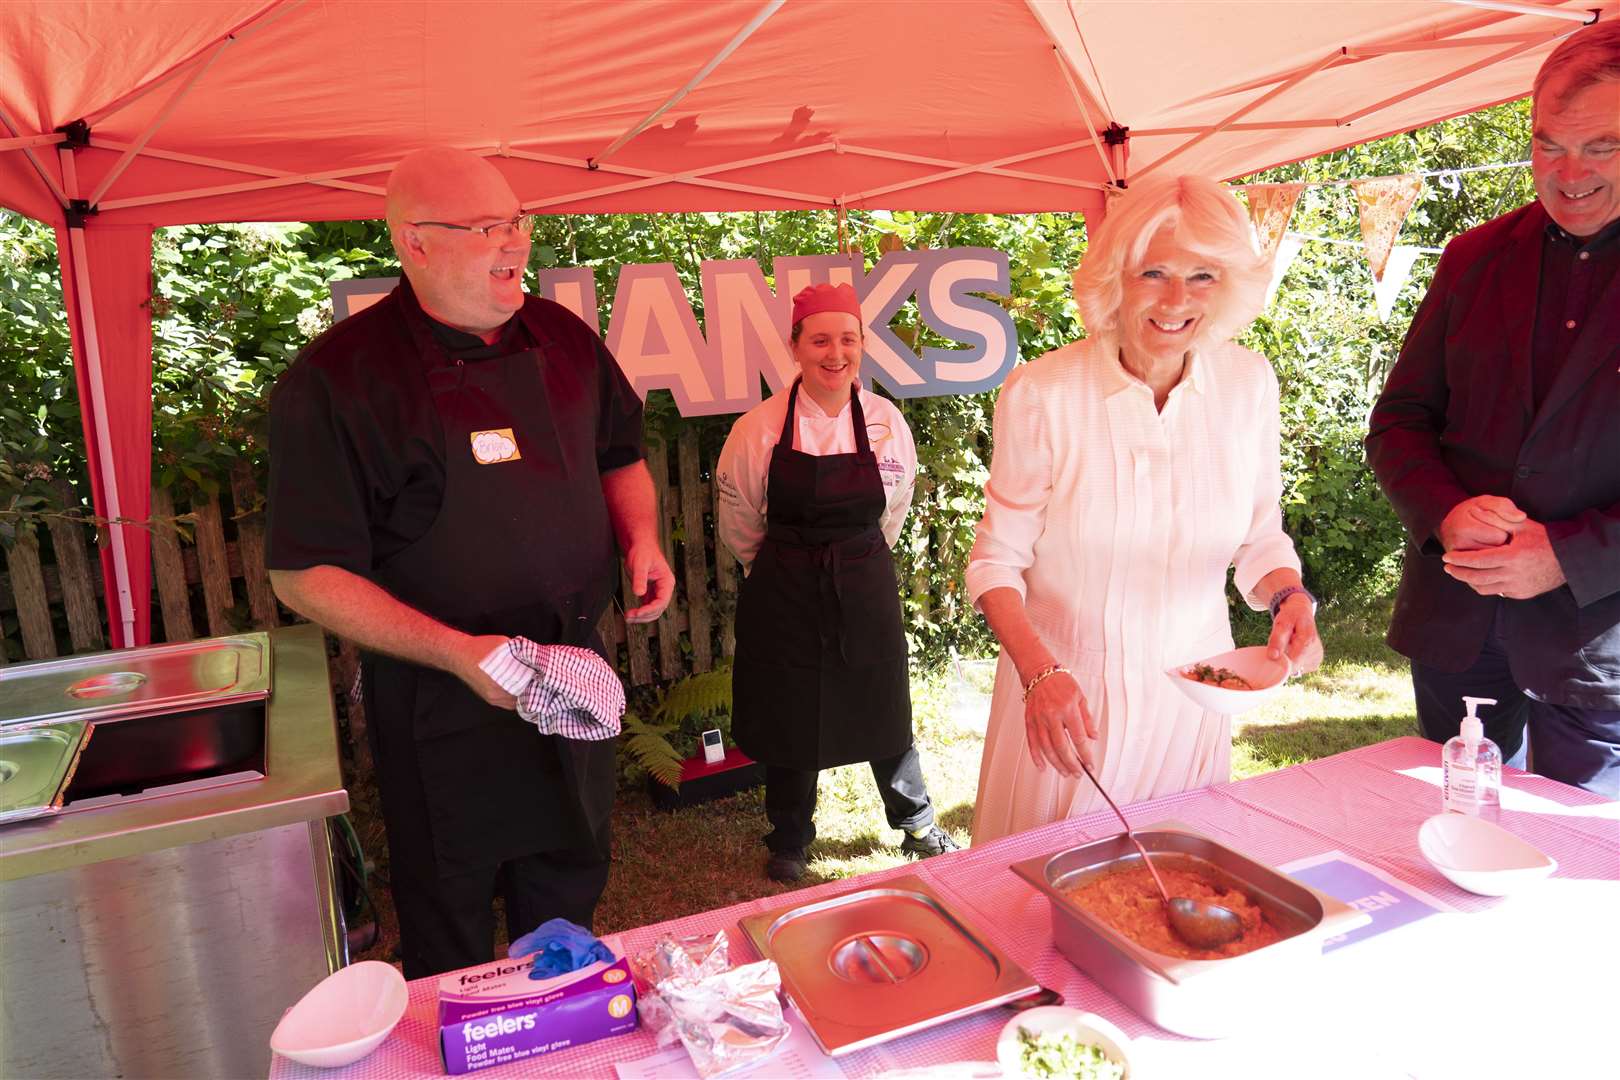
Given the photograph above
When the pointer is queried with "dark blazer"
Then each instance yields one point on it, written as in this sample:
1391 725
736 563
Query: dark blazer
1456 420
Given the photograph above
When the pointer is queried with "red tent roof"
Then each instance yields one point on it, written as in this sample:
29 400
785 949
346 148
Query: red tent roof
295 110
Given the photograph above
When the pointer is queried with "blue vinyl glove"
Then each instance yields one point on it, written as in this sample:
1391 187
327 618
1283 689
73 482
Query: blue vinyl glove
559 947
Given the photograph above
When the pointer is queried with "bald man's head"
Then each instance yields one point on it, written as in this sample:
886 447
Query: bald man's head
461 277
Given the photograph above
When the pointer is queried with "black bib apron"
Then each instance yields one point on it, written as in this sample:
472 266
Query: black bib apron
521 546
820 677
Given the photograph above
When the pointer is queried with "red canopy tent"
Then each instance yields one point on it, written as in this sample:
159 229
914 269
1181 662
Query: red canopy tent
120 117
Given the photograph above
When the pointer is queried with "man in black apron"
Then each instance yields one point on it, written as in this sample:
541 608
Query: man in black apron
821 673
450 467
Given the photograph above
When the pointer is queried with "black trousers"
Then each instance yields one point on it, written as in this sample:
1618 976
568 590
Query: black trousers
790 799
447 923
1577 746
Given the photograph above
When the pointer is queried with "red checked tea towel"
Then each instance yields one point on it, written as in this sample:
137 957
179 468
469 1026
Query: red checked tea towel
562 689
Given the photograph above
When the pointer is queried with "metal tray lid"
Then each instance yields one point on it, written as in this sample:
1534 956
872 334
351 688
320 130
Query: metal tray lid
879 962
136 682
36 765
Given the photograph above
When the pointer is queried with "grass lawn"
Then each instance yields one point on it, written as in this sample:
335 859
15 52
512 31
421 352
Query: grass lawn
674 863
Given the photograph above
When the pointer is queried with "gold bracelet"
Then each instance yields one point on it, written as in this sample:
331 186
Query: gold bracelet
1041 676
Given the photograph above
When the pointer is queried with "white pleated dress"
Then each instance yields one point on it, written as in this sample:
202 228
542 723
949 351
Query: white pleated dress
1117 523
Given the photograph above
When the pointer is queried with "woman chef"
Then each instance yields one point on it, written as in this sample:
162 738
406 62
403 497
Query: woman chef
814 484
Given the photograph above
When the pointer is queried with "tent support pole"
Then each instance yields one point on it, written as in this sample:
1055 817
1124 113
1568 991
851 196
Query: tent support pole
125 610
1583 17
157 121
771 8
33 159
690 176
1071 76
1292 81
1451 76
27 142
955 169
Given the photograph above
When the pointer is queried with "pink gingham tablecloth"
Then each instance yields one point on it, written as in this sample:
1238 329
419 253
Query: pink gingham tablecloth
1522 985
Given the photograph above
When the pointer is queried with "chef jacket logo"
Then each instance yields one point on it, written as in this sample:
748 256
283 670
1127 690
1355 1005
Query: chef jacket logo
492 447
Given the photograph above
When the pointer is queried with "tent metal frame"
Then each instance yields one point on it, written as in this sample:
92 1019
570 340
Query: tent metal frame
195 65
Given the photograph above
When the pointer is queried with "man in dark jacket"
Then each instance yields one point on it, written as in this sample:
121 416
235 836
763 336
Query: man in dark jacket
1497 439
450 467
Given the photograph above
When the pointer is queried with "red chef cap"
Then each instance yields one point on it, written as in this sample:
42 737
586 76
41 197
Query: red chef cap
824 297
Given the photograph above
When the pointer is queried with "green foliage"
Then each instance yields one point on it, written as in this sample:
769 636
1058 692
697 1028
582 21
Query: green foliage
676 717
1332 353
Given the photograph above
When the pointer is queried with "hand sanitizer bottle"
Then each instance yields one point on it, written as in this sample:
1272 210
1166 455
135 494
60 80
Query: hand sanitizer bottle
1472 767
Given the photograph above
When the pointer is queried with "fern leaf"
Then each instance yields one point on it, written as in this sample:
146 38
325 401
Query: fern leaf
703 694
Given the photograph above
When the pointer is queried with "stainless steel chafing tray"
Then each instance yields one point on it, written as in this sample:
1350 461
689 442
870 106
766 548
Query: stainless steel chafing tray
36 765
877 963
1201 998
166 718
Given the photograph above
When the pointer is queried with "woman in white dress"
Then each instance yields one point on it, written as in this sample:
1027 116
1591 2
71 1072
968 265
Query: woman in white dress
1131 469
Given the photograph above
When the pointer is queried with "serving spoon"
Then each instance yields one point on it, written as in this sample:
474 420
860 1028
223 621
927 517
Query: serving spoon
1199 923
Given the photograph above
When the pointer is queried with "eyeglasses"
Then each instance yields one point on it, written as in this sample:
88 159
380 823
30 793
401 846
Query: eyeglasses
522 225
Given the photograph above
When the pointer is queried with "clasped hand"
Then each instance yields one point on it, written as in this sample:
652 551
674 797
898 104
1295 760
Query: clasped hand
1495 549
1058 725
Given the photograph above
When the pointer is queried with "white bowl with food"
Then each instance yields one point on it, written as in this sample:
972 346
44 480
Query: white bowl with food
1481 857
1233 682
344 1018
1056 1041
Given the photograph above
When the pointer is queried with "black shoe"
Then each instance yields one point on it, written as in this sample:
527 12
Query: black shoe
936 841
786 866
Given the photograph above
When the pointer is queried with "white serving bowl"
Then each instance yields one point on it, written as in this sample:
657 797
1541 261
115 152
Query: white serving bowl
1257 669
344 1017
1060 1019
1481 857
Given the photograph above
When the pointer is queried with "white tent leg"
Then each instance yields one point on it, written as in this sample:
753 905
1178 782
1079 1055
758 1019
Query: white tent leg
771 7
98 402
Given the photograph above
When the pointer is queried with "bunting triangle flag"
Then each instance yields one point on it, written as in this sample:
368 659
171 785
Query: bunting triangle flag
1383 202
1270 208
1396 272
1287 249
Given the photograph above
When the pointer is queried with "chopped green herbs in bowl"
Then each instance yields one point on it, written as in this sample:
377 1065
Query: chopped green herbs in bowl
1059 1043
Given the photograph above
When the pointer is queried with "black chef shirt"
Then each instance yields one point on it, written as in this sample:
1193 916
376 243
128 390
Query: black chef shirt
357 460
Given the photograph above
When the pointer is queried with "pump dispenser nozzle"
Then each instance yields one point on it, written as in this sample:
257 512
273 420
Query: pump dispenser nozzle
1473 729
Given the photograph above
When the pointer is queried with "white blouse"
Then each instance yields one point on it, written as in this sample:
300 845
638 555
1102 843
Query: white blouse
743 471
1117 523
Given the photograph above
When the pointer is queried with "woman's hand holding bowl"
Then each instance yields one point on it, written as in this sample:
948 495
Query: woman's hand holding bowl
1059 726
1293 632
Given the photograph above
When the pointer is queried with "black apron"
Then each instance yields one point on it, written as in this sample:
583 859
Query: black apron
520 547
820 677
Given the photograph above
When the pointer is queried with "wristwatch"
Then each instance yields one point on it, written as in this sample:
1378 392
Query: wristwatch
1283 594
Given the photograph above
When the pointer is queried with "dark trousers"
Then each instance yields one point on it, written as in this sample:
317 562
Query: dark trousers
790 799
447 923
1576 746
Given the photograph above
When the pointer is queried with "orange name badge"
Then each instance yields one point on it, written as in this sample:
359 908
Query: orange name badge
494 447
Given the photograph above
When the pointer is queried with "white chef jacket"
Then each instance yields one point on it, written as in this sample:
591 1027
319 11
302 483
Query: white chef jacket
743 472
1117 524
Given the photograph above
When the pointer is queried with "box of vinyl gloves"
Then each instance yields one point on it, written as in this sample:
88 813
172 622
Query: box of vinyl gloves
494 1013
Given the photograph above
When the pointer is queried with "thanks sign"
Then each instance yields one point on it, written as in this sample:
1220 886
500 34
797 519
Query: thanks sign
717 368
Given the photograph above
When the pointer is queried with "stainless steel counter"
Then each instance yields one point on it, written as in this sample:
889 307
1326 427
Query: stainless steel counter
165 935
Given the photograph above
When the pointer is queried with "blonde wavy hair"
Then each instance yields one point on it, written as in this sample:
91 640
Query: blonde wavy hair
1207 220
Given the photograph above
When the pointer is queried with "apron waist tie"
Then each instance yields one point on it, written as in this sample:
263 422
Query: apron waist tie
828 558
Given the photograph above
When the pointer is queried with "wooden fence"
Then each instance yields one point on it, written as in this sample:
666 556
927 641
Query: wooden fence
215 583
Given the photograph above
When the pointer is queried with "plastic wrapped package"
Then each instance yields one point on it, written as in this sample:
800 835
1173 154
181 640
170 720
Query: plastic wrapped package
725 1017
